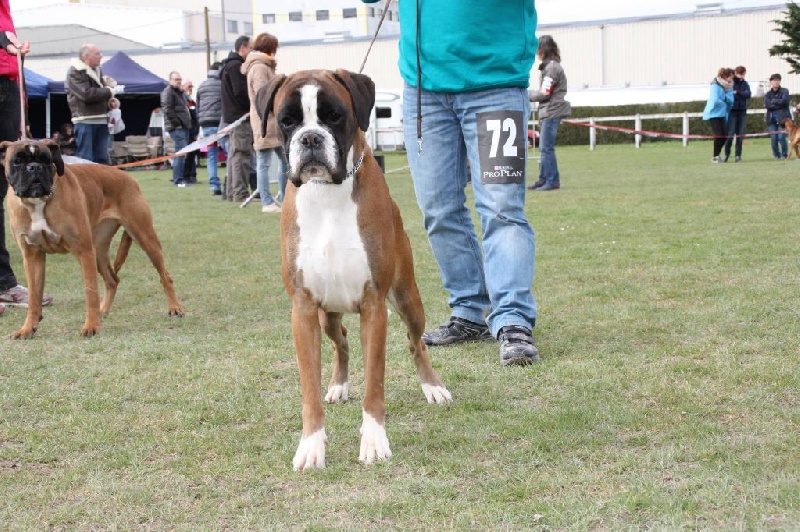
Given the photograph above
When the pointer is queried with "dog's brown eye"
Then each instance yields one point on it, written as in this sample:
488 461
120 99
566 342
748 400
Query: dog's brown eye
288 122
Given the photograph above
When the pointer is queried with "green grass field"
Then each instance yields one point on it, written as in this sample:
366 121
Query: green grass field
668 395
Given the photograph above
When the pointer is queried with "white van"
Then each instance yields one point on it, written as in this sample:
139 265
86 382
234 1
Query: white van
386 123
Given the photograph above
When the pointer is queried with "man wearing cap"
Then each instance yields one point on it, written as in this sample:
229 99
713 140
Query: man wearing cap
776 100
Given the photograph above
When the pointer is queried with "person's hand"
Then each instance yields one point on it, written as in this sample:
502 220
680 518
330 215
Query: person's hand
117 89
16 46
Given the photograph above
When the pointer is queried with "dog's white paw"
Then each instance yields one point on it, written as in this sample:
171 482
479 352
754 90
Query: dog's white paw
374 443
436 394
311 452
337 393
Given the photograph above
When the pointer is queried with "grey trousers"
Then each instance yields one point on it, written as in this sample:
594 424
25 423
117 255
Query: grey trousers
240 156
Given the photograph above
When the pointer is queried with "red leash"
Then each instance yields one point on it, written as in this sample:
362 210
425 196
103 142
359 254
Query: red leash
23 130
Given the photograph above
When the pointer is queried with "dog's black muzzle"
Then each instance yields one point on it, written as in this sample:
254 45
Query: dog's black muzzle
35 181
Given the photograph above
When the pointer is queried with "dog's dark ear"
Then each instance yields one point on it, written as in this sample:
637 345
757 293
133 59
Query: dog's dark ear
3 147
265 98
362 92
55 152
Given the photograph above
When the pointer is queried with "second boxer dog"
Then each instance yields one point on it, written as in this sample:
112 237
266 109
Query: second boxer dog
343 250
58 208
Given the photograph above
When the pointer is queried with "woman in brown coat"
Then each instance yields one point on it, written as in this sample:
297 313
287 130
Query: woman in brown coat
259 67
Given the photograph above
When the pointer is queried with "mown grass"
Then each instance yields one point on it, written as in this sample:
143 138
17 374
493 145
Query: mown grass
667 396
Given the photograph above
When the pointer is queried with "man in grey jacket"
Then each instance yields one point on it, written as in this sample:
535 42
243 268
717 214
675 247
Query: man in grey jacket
178 123
209 113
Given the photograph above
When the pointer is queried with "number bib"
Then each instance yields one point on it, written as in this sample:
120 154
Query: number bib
501 147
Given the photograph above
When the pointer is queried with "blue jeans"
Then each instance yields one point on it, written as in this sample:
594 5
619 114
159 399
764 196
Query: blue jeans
92 142
778 140
736 123
270 167
548 165
476 127
211 159
180 137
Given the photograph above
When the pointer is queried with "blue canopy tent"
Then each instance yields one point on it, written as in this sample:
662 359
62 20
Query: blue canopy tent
142 94
36 89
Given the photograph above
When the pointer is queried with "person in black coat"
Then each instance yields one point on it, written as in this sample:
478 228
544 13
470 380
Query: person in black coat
235 103
738 113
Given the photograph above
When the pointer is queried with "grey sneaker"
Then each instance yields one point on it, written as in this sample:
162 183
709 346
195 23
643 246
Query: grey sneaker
516 346
457 331
18 297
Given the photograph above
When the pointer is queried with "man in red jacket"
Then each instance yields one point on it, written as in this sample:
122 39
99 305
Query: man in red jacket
11 293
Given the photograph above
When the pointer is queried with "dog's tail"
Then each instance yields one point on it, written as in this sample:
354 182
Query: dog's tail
122 251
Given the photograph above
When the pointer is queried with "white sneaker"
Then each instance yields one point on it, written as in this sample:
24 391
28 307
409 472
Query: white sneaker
270 208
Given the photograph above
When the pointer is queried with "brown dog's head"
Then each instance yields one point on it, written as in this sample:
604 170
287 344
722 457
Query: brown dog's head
319 115
30 166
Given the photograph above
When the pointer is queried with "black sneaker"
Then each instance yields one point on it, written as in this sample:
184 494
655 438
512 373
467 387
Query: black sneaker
516 346
457 331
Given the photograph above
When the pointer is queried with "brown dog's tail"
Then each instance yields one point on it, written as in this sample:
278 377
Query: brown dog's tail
122 251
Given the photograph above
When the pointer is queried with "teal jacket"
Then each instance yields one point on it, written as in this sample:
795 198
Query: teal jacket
719 102
468 46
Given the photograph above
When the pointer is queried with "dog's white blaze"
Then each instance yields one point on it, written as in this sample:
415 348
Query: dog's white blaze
330 252
308 99
39 225
374 443
311 451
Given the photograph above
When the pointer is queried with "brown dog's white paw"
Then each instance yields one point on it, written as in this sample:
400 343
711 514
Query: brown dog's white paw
311 452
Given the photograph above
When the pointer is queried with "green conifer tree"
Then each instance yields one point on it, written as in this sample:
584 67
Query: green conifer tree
789 48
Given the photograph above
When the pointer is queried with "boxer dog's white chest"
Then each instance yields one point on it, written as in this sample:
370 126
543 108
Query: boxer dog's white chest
330 251
40 231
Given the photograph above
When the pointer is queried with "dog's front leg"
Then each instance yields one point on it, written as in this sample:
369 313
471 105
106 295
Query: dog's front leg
374 442
34 261
307 342
86 257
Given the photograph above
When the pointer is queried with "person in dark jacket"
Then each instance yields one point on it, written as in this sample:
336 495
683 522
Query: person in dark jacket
776 101
178 123
738 113
88 96
209 113
190 167
235 103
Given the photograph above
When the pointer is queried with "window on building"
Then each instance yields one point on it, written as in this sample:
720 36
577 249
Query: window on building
296 16
371 12
233 26
248 28
323 14
349 12
268 18
383 112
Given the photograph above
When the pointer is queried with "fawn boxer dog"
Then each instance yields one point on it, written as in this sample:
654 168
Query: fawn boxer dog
793 133
343 250
58 208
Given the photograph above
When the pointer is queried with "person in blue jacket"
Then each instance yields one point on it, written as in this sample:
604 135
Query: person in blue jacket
466 70
776 100
738 115
719 104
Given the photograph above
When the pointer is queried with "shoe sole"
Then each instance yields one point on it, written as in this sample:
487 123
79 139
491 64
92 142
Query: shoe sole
430 343
520 361
23 305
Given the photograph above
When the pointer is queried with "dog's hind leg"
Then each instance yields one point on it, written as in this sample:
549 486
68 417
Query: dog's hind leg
331 323
102 234
404 297
139 225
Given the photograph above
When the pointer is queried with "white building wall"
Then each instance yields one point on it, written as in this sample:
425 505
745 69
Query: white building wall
681 51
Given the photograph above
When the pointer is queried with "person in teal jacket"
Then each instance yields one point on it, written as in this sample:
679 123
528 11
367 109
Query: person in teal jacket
717 108
466 67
